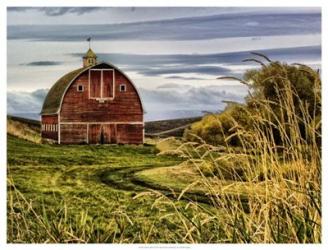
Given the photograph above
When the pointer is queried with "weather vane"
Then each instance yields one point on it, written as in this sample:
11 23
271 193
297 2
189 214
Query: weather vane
89 40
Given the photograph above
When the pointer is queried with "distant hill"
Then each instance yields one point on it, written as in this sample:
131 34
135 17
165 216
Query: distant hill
30 129
174 127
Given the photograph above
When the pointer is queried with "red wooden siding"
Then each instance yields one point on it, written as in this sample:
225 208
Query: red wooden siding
94 133
73 133
49 127
101 133
130 133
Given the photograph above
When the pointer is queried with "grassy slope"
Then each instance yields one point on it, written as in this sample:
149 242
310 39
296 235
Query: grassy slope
24 128
57 177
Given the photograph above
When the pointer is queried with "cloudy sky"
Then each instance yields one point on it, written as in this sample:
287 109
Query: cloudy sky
173 55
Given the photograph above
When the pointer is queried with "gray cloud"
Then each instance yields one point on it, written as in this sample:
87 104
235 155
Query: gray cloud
182 101
159 65
189 28
25 102
174 85
206 70
43 63
192 97
184 78
57 11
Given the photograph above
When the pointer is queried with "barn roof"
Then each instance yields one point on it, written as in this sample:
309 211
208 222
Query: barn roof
53 98
52 102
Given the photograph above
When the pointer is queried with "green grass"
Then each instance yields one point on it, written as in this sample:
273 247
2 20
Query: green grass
69 186
21 152
186 178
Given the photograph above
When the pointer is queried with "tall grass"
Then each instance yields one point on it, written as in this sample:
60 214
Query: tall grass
289 209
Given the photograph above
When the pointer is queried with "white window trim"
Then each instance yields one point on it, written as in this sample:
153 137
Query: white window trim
77 88
101 98
123 85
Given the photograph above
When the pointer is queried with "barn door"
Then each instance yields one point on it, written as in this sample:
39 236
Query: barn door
113 133
102 133
94 133
105 134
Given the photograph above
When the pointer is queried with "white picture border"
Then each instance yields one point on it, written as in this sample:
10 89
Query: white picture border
156 3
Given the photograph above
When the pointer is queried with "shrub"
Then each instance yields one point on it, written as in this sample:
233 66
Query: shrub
276 91
220 129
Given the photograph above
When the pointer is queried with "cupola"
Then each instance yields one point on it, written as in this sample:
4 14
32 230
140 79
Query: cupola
89 59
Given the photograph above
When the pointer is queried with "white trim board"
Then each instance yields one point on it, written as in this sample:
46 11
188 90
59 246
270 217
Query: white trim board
77 123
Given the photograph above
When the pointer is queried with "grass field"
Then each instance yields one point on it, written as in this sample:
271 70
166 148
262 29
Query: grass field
67 185
105 193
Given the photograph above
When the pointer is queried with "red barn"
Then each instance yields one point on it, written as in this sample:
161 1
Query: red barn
96 104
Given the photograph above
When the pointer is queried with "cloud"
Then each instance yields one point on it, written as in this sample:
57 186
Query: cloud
25 102
252 24
188 28
206 70
182 101
200 59
178 100
56 11
184 78
198 98
174 66
43 63
174 86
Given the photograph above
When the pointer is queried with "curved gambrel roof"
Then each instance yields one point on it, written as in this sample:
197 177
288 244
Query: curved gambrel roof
53 101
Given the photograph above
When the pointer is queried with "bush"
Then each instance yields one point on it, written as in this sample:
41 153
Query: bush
278 93
220 129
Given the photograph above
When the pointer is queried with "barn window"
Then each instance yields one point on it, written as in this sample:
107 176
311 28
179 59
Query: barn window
122 87
101 83
80 88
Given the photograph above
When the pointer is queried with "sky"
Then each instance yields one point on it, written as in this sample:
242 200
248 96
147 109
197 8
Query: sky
173 55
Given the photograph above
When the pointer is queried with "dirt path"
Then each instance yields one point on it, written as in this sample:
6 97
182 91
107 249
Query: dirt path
125 179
